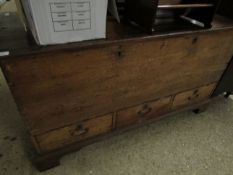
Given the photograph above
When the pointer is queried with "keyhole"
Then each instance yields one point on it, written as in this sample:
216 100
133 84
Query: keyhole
119 53
195 40
195 92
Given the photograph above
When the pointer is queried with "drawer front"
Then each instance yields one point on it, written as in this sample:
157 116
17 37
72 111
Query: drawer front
61 26
142 112
60 7
78 132
81 6
82 15
82 24
193 96
62 16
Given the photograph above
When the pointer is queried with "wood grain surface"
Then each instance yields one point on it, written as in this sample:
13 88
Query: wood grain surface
74 133
193 96
57 89
145 111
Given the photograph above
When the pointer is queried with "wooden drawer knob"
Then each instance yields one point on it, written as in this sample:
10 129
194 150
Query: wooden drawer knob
79 130
145 110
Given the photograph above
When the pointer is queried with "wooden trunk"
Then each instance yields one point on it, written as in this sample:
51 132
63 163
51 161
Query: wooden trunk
72 96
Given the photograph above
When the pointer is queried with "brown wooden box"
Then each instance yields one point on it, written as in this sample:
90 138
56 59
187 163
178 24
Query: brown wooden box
73 95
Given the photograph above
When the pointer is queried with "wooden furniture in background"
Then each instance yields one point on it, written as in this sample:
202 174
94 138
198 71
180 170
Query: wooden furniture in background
226 83
73 95
157 15
225 8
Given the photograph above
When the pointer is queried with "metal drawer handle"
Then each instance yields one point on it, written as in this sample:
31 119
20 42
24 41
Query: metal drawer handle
79 130
194 96
146 110
196 93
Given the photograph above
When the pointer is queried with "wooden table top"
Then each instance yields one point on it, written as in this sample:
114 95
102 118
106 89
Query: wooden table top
14 39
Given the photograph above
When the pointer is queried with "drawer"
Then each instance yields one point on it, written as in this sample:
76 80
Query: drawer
62 26
81 15
82 24
193 96
142 112
81 6
78 132
60 7
61 16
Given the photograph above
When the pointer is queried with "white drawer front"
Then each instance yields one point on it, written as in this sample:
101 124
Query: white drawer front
82 24
63 26
60 7
61 16
80 6
81 15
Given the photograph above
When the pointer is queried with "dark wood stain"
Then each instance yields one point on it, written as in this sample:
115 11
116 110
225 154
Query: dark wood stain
73 95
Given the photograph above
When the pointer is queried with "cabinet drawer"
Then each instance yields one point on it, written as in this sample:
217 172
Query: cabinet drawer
60 7
81 6
81 15
142 112
74 133
61 16
61 26
82 24
193 96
